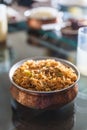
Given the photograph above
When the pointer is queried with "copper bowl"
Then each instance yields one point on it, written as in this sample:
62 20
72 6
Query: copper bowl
37 17
43 100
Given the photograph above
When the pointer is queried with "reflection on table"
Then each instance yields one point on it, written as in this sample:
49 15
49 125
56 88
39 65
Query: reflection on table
26 118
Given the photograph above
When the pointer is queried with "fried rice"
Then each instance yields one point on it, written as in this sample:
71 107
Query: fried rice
44 75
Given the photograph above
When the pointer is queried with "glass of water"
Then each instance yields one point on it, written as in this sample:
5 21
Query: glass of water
82 51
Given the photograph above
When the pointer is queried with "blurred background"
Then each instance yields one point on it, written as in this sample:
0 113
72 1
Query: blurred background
51 32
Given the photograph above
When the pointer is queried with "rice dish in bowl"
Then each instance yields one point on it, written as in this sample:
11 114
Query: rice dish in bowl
43 82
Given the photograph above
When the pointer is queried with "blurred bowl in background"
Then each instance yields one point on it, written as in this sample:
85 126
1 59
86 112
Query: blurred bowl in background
39 16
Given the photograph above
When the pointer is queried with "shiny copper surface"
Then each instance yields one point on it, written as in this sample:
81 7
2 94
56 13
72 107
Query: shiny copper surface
44 100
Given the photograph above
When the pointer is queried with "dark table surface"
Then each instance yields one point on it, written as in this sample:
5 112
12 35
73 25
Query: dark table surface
71 117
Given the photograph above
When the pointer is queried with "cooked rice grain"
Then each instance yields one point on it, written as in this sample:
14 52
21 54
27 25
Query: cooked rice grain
44 75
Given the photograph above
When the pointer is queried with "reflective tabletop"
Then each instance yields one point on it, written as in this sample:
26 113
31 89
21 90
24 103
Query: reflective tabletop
14 116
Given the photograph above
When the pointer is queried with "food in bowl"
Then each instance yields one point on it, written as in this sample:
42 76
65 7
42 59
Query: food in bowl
44 75
42 13
44 82
37 17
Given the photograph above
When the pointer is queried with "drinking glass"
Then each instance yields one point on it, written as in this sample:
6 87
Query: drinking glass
3 24
82 51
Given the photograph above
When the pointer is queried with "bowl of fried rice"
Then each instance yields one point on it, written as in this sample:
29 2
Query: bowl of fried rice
44 82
